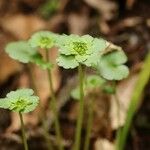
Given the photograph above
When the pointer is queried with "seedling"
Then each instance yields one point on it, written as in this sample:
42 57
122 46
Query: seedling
20 101
47 40
76 51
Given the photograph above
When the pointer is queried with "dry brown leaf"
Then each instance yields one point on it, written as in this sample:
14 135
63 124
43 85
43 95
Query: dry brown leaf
105 7
130 3
124 92
8 66
22 26
78 23
103 144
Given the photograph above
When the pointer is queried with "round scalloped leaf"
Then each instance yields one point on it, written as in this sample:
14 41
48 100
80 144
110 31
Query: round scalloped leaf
67 62
111 66
92 60
20 51
21 100
43 39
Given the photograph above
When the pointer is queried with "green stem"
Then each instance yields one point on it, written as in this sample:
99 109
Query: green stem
89 127
135 101
81 111
41 114
54 106
23 132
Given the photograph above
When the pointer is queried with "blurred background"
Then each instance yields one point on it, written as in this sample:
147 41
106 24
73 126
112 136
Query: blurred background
123 22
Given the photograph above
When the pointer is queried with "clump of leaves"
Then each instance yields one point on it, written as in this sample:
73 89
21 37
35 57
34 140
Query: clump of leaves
111 65
43 39
91 83
47 40
21 100
23 52
75 50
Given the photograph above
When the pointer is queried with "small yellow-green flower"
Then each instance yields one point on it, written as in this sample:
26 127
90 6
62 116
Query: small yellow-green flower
43 39
21 100
74 49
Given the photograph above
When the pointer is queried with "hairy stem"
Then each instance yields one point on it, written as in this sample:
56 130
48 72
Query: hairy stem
81 111
54 106
23 132
135 101
89 126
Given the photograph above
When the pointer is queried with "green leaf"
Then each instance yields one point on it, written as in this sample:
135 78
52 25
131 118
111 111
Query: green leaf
21 100
48 8
94 81
75 93
38 60
67 62
91 82
109 88
92 60
43 39
111 66
20 51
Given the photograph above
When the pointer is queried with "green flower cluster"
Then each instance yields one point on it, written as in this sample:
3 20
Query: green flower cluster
75 50
21 100
43 39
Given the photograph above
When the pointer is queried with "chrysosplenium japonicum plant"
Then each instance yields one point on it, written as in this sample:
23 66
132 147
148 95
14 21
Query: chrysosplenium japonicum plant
73 52
79 51
20 101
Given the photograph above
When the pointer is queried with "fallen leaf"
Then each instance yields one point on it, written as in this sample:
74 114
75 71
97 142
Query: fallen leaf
8 66
78 23
22 25
104 144
105 7
124 92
